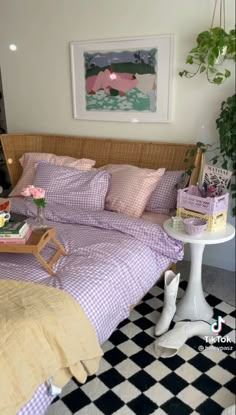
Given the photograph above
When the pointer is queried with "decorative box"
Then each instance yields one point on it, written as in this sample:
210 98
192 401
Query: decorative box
214 222
212 209
206 205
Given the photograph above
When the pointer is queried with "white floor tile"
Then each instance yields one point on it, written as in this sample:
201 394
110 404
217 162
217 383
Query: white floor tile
156 290
126 391
107 346
127 368
58 408
188 372
130 330
220 375
192 397
158 394
68 388
225 307
134 315
155 303
129 348
157 370
153 316
103 366
224 397
94 389
187 352
125 410
89 410
230 321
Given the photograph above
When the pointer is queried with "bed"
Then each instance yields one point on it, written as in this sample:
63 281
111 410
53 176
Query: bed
113 260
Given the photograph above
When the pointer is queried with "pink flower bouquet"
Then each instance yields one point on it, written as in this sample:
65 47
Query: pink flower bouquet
36 193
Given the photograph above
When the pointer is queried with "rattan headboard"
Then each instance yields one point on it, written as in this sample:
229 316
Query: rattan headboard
104 151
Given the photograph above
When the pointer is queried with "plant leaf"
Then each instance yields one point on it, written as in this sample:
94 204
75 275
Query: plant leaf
225 164
193 152
189 59
217 80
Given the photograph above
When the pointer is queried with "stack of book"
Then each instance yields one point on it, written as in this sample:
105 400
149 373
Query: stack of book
15 233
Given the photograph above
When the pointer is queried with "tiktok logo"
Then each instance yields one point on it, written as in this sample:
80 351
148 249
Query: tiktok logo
216 327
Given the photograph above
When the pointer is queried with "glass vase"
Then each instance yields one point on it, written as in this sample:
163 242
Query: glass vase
39 221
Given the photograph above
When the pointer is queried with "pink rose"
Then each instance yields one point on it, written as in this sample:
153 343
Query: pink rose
38 193
35 192
27 191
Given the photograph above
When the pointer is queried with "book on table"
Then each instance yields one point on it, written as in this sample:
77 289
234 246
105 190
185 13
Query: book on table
14 230
18 240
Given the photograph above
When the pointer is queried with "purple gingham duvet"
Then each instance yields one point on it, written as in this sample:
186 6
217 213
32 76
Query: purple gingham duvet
113 261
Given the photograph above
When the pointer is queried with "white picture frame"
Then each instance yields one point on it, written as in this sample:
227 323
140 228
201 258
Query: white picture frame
131 77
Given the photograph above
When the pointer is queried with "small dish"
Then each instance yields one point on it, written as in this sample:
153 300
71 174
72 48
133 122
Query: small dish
194 226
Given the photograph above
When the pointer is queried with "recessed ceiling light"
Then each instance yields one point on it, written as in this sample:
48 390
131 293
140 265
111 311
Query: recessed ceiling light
13 47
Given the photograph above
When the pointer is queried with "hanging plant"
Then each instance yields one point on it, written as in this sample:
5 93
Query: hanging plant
214 46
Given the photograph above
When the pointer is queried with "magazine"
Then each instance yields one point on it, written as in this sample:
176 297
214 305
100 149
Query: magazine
217 177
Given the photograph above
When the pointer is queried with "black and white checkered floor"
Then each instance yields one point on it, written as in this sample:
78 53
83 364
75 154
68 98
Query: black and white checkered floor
131 380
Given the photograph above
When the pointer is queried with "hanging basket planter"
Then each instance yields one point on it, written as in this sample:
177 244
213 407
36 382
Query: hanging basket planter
214 46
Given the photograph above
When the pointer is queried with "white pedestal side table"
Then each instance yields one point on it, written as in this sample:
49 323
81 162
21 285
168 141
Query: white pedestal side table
193 305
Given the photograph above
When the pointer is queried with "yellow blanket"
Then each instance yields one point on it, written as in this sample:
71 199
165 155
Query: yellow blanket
43 332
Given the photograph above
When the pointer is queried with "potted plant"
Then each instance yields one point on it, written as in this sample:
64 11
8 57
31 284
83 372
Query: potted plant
226 148
226 125
213 47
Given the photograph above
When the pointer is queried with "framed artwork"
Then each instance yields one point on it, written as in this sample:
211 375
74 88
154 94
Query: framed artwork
122 79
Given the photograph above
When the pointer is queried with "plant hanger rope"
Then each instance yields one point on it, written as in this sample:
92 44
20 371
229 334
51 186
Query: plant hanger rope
222 13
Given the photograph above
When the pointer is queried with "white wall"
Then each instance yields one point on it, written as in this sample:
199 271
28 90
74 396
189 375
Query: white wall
37 83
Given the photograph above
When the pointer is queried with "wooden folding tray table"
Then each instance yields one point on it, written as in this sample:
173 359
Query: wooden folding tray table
35 244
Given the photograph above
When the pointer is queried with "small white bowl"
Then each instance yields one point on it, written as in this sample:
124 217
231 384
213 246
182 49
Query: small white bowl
194 226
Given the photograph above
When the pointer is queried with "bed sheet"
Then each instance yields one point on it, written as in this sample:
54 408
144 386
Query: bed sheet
113 261
157 218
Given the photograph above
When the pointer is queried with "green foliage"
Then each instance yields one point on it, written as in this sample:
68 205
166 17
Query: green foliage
226 125
128 67
191 154
212 44
40 202
226 151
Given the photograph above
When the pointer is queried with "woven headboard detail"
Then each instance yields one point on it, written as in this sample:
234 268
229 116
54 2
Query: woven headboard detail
104 151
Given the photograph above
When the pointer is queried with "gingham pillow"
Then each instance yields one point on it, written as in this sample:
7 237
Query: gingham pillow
71 187
164 197
28 161
130 188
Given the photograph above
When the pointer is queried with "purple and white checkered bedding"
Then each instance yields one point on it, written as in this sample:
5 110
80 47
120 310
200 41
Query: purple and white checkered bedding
84 189
164 197
113 261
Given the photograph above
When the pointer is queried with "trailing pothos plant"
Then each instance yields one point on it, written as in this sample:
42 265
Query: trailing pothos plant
213 47
226 148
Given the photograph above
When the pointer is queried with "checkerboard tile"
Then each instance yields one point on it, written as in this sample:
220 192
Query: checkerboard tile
132 380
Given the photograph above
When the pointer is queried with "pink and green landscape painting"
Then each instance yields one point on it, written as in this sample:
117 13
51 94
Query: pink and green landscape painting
121 80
